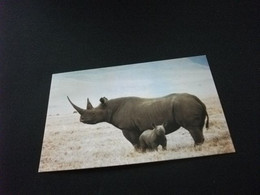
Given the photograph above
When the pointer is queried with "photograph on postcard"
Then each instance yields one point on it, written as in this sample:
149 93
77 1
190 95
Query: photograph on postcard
136 113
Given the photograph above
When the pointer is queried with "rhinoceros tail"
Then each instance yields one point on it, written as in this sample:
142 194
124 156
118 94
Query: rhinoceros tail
207 122
205 109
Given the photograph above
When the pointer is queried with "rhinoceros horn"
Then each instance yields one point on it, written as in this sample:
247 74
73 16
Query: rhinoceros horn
89 105
80 110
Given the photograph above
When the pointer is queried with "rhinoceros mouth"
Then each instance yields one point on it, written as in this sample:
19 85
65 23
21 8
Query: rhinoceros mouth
86 120
82 121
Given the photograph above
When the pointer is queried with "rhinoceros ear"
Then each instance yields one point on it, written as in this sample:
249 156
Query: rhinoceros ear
103 100
89 105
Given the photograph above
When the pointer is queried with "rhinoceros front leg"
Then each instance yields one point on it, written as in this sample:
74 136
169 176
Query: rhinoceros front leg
164 145
132 137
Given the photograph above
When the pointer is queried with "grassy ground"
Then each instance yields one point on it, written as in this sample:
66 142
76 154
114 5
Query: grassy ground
69 144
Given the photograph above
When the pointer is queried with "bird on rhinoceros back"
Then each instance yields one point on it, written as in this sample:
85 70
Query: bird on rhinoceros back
151 139
133 115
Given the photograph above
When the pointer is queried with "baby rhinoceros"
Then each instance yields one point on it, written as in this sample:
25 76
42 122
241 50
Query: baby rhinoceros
151 139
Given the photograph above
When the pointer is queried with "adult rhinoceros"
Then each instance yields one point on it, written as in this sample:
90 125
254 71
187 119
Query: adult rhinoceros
133 115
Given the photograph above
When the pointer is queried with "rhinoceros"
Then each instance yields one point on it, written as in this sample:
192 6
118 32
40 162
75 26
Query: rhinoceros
133 115
151 139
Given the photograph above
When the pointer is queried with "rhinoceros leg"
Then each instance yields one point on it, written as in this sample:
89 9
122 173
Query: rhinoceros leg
164 144
196 134
132 137
142 144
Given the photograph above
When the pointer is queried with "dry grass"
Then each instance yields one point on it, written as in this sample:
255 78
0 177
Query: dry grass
69 144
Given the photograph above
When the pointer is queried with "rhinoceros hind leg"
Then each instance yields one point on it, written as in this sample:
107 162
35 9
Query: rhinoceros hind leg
197 135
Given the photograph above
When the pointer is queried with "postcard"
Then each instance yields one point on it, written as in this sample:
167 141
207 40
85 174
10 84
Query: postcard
136 113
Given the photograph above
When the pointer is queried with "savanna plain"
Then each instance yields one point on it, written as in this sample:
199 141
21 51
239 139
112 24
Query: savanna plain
69 144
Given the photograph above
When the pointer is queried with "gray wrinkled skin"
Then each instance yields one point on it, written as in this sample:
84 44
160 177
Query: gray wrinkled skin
133 115
151 139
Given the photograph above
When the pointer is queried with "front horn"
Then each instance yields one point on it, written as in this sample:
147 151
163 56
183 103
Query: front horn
80 110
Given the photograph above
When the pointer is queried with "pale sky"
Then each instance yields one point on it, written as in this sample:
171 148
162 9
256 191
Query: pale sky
150 79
